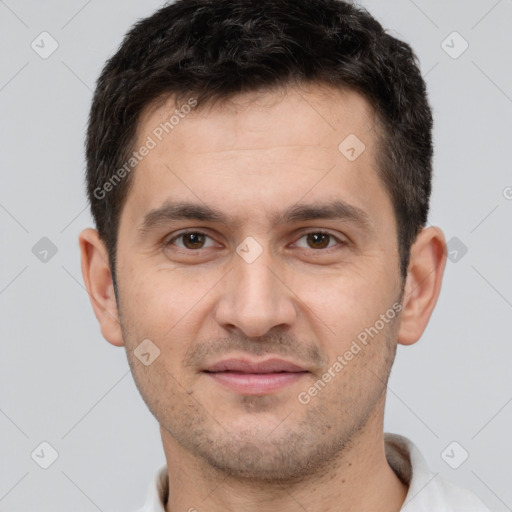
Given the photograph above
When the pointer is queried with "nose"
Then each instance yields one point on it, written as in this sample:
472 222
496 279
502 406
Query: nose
255 298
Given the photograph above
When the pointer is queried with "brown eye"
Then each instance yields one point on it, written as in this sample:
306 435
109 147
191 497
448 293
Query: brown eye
318 240
193 240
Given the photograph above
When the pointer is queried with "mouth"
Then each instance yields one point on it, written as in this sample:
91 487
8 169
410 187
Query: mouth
255 378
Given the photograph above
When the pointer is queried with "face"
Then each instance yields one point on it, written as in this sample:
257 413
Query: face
248 236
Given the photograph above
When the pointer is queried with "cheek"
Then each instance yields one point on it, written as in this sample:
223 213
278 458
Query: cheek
344 303
163 304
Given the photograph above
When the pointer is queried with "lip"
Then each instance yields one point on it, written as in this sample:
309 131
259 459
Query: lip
273 365
255 378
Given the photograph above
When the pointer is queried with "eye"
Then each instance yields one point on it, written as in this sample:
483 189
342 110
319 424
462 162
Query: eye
191 240
319 240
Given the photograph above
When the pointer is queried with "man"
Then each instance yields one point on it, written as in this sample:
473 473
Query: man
259 174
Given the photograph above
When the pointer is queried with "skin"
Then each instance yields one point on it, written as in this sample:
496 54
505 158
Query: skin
298 300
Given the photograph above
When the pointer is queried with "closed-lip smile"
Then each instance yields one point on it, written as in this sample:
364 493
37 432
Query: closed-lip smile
251 377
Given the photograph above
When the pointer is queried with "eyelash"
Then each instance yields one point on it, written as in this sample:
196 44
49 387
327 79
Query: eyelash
340 242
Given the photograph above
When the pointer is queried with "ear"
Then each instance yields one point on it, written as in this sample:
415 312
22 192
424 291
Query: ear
423 284
98 281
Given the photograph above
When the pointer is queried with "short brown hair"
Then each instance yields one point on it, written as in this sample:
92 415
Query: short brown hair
216 49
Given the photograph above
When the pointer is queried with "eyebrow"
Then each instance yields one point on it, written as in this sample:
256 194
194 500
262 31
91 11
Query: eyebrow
172 211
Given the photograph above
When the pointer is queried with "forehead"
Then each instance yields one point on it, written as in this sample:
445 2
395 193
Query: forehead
249 118
258 151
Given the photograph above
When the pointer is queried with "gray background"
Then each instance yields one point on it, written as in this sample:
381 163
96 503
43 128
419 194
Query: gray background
60 382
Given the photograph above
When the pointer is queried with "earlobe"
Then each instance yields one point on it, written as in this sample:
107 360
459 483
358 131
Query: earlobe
98 281
423 284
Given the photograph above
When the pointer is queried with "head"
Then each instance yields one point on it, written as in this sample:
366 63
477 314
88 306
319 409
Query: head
260 174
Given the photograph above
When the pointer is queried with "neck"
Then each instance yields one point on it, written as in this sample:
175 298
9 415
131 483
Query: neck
359 479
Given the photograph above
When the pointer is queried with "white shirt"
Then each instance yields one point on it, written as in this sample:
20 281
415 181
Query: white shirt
428 492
